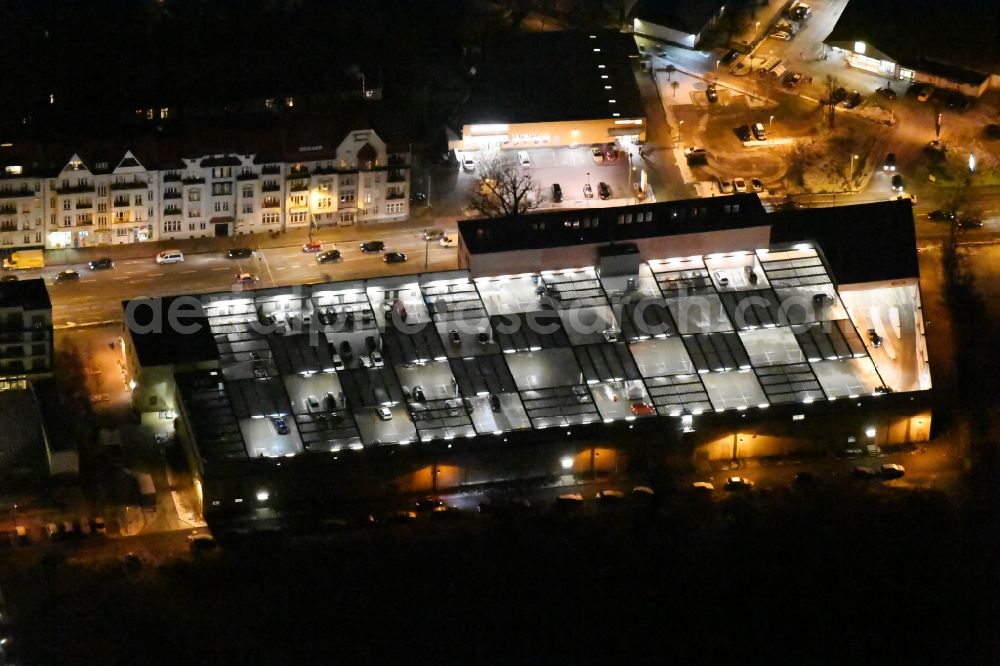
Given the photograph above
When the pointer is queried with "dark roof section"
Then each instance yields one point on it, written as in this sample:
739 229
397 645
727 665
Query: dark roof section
158 342
606 225
27 294
690 16
221 161
862 243
554 76
966 37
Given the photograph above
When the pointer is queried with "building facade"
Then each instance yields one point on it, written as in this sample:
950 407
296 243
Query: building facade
92 201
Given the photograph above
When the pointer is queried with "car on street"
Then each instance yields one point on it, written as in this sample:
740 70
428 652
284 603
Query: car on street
101 264
597 154
246 279
448 241
433 234
838 95
969 223
603 190
384 413
702 487
202 542
756 185
853 100
743 132
169 257
523 159
239 253
588 191
711 93
312 246
696 155
740 185
570 499
417 197
328 257
792 79
67 276
887 93
735 483
925 93
782 35
642 409
394 257
897 183
890 162
372 246
609 496
892 471
726 186
8 278
730 57
468 163
280 426
874 338
940 216
863 472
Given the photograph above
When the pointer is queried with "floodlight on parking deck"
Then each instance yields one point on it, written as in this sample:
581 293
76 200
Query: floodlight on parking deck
263 495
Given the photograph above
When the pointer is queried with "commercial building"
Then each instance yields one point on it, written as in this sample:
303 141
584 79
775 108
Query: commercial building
711 318
681 22
168 190
552 89
937 43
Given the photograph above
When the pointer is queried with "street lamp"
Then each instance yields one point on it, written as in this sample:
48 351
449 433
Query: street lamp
769 123
757 27
680 126
717 65
851 176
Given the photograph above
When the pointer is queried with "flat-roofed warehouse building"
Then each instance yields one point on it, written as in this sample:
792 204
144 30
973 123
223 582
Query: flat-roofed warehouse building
423 382
552 89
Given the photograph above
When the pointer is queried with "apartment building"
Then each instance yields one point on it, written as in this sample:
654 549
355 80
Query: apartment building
103 198
25 332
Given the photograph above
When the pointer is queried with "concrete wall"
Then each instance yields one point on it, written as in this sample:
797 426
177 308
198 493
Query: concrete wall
664 33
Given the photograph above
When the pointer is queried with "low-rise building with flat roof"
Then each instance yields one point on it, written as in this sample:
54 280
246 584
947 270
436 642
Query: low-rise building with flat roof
681 22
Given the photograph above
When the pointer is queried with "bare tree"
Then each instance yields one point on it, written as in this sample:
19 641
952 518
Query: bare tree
675 85
670 71
831 88
503 190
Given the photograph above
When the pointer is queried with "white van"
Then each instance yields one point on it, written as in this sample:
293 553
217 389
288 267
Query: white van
169 257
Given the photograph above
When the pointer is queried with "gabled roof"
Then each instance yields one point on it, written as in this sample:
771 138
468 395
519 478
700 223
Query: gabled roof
871 242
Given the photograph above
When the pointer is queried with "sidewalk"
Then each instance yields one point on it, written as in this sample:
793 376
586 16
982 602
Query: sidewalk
421 218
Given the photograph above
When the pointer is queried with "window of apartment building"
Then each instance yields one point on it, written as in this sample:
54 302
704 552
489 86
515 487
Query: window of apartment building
138 200
84 219
121 231
149 195
347 218
298 217
393 208
102 221
270 185
194 212
201 226
248 193
347 196
67 220
299 200
346 180
325 185
324 202
25 208
149 212
119 216
221 189
27 238
194 195
67 204
221 206
102 190
222 172
247 208
191 227
172 225
8 241
102 207
269 218
368 197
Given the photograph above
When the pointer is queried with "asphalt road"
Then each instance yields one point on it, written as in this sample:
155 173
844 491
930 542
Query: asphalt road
97 295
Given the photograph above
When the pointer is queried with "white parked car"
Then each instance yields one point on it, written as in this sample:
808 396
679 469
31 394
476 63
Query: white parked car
384 413
468 163
726 186
448 241
740 185
523 159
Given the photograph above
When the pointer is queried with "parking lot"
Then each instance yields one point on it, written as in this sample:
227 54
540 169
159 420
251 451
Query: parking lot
572 169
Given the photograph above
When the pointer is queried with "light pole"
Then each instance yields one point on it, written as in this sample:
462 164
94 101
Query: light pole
717 65
589 190
680 126
851 175
769 123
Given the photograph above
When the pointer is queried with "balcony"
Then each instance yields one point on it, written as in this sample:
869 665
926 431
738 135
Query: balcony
171 194
76 189
172 210
396 176
271 169
84 204
132 185
394 194
193 180
85 222
121 203
8 227
299 186
8 209
270 186
298 172
271 202
172 178
247 176
23 192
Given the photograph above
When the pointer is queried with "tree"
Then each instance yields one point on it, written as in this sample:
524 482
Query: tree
831 96
503 190
670 69
675 85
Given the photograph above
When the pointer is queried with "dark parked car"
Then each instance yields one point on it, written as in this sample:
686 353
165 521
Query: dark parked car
852 100
427 504
874 338
969 223
279 425
495 402
556 192
394 257
328 257
711 93
743 131
941 216
897 183
730 57
838 95
101 264
372 246
67 276
239 253
887 93
345 351
603 190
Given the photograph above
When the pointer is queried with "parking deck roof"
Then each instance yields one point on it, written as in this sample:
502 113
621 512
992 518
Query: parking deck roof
738 330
